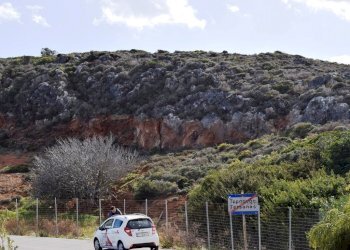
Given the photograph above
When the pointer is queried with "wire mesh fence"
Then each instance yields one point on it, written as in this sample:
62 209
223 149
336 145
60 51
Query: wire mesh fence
208 226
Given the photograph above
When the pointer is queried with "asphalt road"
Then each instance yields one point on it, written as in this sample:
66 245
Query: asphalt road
42 243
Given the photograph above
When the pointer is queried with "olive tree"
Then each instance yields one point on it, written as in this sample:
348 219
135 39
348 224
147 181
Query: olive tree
83 169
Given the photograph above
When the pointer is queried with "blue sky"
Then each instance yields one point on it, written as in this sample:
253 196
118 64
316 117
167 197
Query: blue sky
312 28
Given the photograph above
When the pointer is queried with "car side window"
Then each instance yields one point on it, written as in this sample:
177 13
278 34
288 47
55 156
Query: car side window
108 224
117 223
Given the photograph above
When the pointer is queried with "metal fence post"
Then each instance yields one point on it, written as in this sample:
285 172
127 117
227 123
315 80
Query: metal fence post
290 228
244 225
208 227
100 210
17 216
231 231
124 206
37 217
259 228
56 220
166 214
186 218
77 206
146 206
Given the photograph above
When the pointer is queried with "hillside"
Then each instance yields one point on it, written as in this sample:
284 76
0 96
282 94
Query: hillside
166 101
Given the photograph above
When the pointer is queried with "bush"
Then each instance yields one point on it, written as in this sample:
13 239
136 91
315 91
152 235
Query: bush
336 155
15 169
300 130
81 169
44 60
48 52
287 184
5 242
146 189
333 232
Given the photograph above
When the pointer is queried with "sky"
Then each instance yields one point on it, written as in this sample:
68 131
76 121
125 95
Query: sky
317 29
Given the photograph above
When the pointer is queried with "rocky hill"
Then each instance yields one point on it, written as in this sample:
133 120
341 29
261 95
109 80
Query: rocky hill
166 100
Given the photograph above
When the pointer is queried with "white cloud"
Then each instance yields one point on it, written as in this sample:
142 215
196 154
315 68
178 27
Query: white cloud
341 8
34 8
345 59
37 17
40 20
9 13
233 8
149 13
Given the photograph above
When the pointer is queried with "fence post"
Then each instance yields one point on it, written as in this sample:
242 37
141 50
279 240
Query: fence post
56 221
124 206
208 227
166 214
77 206
146 206
244 225
259 228
186 218
290 228
100 210
231 231
37 217
17 216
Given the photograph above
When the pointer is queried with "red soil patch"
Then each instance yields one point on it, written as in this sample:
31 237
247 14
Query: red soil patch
13 185
13 159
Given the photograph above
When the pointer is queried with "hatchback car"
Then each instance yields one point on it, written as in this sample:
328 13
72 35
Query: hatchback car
126 232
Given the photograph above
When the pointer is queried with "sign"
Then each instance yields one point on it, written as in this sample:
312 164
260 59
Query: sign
243 204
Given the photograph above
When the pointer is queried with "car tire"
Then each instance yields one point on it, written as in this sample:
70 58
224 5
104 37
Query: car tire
97 245
121 246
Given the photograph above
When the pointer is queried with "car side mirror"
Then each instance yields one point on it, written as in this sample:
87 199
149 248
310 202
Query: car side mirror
101 228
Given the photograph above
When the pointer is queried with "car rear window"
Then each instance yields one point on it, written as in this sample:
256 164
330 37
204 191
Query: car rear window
139 223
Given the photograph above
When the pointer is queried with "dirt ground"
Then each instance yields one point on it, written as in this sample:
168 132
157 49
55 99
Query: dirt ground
13 185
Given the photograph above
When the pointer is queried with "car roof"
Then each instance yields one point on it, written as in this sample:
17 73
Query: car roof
131 216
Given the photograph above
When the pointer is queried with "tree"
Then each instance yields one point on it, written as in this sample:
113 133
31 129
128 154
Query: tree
48 52
83 169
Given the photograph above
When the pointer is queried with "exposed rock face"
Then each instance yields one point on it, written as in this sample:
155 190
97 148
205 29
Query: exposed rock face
320 110
166 100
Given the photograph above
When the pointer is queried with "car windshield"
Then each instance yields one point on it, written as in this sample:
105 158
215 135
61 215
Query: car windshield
139 223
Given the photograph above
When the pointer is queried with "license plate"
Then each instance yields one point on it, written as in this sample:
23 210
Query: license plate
142 234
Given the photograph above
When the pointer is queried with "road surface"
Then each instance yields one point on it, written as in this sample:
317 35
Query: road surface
43 243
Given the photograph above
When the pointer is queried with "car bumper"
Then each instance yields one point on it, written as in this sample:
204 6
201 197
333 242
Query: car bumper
141 245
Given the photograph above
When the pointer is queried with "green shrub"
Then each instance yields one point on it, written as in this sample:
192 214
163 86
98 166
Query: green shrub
283 87
333 232
287 184
15 169
300 130
336 155
43 60
146 189
245 154
225 146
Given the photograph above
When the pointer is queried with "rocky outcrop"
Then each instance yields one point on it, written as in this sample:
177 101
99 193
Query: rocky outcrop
166 100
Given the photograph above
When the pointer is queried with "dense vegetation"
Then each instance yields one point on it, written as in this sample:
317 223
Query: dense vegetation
334 231
311 172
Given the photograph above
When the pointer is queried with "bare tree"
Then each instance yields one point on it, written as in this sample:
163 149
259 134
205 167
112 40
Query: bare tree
82 169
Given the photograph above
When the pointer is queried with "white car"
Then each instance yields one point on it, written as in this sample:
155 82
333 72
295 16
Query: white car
126 232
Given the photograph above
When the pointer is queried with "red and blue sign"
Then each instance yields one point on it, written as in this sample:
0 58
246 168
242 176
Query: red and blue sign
243 204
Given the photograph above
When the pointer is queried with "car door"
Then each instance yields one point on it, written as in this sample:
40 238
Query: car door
106 226
113 234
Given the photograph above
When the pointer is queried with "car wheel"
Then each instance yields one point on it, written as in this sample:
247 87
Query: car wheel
97 245
121 246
